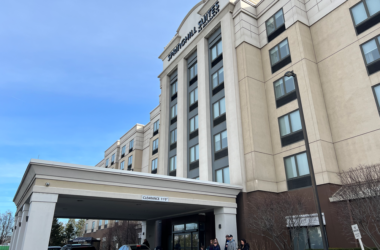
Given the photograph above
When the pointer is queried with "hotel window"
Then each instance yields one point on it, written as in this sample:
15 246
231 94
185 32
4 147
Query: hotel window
194 153
173 139
216 51
174 89
156 126
112 159
219 111
105 223
174 111
223 175
376 91
130 159
220 145
297 171
93 226
290 128
131 145
218 81
154 166
284 90
123 151
173 163
365 15
280 55
194 124
100 224
193 71
193 96
371 55
275 25
107 163
85 229
155 147
122 165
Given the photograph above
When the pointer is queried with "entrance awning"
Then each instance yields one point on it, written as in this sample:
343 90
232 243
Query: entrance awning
99 193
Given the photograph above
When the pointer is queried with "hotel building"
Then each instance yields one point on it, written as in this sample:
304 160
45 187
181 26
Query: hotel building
229 121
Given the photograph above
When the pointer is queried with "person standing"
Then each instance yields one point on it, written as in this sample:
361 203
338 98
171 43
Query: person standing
227 240
244 245
231 243
211 246
146 243
216 245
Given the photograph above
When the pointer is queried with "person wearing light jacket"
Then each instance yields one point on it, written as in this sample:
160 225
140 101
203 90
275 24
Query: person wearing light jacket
231 245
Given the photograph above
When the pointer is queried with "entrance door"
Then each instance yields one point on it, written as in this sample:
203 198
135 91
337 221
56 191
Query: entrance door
186 241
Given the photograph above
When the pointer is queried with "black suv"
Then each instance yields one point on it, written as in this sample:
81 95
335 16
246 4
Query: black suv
79 247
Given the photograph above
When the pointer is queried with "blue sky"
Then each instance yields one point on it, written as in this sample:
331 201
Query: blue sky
75 76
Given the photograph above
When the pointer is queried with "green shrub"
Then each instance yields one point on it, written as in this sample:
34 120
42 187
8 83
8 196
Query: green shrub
4 247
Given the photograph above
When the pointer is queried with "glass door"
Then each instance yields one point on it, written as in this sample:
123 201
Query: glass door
186 241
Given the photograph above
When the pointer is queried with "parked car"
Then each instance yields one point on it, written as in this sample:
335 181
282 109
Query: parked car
77 246
54 248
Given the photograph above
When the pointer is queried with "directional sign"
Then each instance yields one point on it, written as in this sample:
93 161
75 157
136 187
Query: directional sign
356 231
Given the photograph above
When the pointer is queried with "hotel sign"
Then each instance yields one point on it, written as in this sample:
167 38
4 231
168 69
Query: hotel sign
210 14
155 198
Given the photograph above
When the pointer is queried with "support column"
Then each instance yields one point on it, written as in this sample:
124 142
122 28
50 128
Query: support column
16 230
232 96
163 167
151 233
205 160
225 223
182 119
22 225
38 227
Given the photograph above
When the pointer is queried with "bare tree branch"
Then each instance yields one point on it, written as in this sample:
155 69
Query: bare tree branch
6 224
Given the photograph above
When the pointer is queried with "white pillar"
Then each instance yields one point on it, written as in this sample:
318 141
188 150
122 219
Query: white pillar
164 128
225 223
204 123
182 120
16 230
151 233
143 231
22 226
38 227
232 96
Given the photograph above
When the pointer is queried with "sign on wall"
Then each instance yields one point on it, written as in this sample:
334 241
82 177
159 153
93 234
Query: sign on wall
210 14
155 198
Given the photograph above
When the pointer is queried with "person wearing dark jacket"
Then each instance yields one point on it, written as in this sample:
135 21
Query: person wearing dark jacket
146 243
227 240
211 246
244 245
216 245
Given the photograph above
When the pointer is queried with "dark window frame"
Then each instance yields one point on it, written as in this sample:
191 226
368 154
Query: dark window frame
193 91
189 68
376 38
276 27
133 143
290 124
214 118
217 73
122 165
130 157
107 161
153 144
171 143
365 20
376 98
156 164
298 175
216 46
287 93
176 111
279 52
156 128
221 148
175 163
194 124
171 88
221 169
194 153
